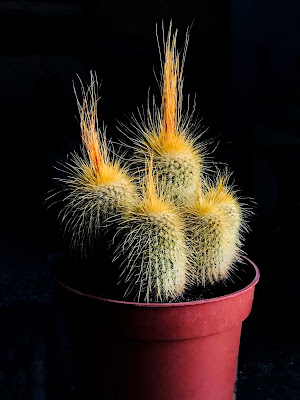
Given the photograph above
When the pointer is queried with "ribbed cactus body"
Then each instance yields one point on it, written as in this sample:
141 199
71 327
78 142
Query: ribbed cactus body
178 173
213 230
153 243
157 258
91 204
229 205
95 186
167 134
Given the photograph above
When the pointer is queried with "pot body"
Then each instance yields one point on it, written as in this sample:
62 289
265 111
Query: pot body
176 351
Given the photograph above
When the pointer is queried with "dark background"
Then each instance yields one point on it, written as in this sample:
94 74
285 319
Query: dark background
243 63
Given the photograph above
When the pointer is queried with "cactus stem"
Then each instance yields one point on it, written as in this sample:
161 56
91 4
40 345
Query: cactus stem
152 240
214 221
95 186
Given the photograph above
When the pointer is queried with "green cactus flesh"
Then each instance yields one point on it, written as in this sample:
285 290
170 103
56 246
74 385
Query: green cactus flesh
178 174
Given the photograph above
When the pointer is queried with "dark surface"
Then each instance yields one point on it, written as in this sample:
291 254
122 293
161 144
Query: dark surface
244 64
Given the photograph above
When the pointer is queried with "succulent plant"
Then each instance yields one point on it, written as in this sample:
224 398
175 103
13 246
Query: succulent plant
170 227
167 134
96 187
214 230
153 243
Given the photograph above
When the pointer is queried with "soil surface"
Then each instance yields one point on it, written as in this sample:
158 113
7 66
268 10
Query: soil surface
88 277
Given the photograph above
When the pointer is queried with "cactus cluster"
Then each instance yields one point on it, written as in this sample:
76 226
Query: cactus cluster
173 226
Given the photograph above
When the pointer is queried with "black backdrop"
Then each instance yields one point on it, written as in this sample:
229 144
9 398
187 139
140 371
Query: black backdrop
243 63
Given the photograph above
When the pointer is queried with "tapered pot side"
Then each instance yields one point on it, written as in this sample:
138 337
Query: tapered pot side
156 351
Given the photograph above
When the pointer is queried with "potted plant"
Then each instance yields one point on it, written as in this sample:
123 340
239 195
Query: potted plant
157 291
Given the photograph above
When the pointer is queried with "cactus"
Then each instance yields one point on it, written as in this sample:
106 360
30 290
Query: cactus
214 231
153 243
172 230
96 187
223 194
168 135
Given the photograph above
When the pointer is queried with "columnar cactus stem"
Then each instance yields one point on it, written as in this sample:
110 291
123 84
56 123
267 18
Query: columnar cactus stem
152 240
95 185
214 222
168 135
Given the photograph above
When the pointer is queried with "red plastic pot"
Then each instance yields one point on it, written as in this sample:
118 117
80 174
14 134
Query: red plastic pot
173 351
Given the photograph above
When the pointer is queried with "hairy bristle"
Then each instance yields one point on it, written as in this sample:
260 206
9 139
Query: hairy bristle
96 150
171 89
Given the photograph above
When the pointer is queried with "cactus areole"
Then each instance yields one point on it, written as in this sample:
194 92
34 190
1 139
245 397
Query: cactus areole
151 351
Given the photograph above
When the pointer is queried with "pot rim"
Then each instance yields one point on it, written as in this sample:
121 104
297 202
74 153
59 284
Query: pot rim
162 305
